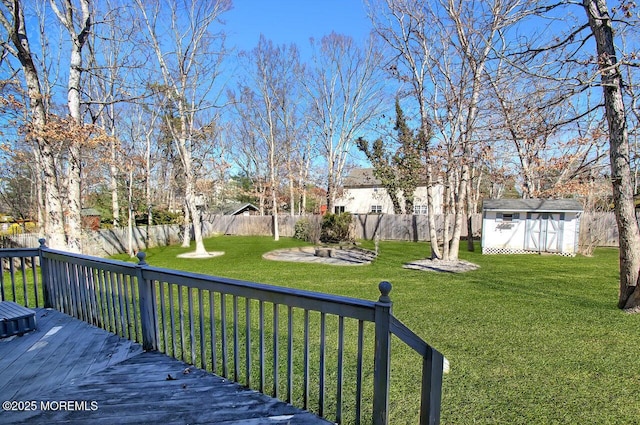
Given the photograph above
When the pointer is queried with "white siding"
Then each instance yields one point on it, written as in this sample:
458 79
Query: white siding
501 236
360 200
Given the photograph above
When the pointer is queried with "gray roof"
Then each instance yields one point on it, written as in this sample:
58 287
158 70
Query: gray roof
546 205
361 177
86 212
234 208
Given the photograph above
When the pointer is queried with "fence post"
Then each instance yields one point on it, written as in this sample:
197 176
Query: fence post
44 273
148 310
382 359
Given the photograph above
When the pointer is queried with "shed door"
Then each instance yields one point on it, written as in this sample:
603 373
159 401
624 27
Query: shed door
544 232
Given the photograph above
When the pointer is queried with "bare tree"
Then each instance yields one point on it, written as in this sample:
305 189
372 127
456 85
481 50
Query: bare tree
189 57
268 103
114 60
442 51
561 56
78 29
345 91
601 25
13 22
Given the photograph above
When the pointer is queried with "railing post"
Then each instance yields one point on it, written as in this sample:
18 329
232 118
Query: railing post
382 359
44 272
430 399
148 310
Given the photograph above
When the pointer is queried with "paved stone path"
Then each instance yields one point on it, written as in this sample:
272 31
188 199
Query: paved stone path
337 256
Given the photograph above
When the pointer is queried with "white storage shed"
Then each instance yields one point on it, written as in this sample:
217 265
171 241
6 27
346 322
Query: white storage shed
523 226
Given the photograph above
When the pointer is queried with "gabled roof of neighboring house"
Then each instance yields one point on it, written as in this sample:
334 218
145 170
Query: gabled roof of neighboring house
235 208
541 205
361 177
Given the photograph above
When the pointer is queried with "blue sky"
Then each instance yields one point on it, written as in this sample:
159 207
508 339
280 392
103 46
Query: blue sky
293 21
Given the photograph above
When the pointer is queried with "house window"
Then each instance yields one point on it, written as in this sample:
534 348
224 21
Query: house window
420 209
376 209
338 209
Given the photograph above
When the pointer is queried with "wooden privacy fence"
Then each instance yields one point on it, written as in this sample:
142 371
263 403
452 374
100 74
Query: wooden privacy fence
596 229
325 353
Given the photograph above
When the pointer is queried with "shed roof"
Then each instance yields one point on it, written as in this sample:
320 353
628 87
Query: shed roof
545 205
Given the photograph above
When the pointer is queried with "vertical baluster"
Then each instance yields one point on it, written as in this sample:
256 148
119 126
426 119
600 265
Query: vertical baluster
2 294
261 326
172 317
64 283
340 369
124 309
359 371
212 324
163 317
75 288
236 341
95 306
223 334
23 271
86 293
192 331
322 364
108 293
289 354
73 291
12 275
90 293
127 284
35 281
106 299
305 395
247 354
276 353
431 393
136 307
203 341
114 300
181 316
117 305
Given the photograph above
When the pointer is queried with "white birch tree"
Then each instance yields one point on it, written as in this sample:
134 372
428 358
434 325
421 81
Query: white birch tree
18 45
268 103
188 52
345 88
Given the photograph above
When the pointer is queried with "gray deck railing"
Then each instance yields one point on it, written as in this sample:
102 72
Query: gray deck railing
324 353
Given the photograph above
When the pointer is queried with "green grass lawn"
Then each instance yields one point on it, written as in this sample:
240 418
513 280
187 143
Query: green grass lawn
531 339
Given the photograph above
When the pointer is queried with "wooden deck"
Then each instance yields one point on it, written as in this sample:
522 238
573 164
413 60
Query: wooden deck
73 372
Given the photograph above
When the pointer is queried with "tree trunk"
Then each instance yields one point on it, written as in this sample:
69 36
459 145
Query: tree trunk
73 218
471 202
433 234
186 236
600 23
113 184
53 219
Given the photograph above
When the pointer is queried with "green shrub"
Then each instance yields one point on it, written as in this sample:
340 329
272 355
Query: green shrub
336 228
302 229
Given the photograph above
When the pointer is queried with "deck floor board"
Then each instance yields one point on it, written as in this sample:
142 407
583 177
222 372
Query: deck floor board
83 364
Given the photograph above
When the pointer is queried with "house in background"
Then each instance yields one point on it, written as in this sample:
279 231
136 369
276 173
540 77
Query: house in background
364 194
90 219
523 226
